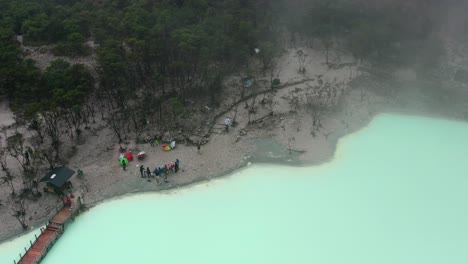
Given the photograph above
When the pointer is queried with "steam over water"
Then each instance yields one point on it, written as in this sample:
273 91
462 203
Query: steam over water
396 192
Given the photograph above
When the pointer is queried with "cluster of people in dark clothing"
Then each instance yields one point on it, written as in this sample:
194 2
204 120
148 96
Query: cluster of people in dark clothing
160 172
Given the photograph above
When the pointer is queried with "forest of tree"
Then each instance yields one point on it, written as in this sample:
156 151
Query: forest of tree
149 52
154 54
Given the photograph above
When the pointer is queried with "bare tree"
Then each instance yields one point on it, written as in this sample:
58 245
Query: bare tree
37 124
35 164
294 101
252 108
289 145
241 88
317 110
327 44
49 154
117 122
83 180
19 211
269 101
236 110
8 177
319 101
301 58
267 54
16 149
52 128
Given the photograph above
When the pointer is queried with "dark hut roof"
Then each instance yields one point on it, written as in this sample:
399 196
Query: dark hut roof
58 176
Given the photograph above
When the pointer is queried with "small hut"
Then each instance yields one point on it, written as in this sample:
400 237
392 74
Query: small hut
58 180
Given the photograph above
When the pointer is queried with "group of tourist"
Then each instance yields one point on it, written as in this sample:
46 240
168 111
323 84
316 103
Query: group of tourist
159 172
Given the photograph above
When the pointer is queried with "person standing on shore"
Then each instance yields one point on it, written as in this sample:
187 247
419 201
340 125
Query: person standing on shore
156 174
142 170
198 148
166 172
68 202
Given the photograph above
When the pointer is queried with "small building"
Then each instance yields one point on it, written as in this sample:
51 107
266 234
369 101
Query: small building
58 180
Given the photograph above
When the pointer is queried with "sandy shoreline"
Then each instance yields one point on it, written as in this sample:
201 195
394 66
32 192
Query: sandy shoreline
265 142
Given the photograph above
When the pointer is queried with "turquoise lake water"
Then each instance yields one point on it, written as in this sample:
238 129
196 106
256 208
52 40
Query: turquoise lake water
396 192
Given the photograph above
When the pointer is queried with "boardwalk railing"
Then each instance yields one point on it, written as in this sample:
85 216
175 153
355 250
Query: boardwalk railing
53 230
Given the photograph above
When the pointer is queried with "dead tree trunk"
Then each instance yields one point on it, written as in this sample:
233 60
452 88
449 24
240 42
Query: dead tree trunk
19 212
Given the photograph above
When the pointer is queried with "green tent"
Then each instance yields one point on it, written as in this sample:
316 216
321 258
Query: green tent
123 161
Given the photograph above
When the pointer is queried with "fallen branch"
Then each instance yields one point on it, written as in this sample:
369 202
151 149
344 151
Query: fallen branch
262 118
297 150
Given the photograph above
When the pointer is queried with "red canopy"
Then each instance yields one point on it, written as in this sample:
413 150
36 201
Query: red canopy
129 156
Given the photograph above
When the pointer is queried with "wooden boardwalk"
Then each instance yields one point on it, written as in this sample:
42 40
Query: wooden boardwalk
50 234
